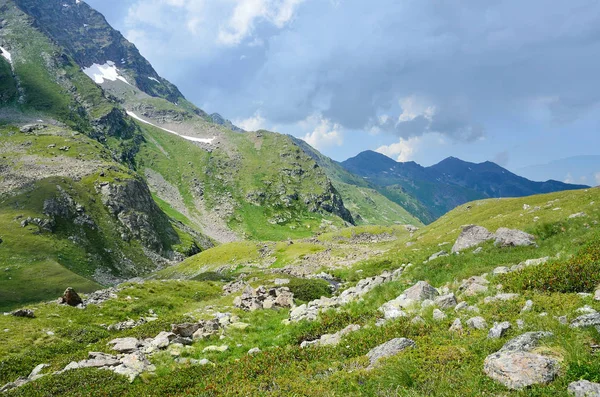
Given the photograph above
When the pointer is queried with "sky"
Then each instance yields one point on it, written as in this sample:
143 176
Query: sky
511 81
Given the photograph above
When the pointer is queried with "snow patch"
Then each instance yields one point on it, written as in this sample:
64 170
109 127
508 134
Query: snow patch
6 55
189 138
153 79
100 73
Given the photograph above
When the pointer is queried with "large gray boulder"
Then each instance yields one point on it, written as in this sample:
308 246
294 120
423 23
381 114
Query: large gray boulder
446 301
421 291
584 388
516 367
587 320
388 349
513 238
471 236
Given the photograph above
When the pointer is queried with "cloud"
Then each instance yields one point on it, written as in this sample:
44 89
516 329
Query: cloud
324 133
253 123
597 176
502 158
403 150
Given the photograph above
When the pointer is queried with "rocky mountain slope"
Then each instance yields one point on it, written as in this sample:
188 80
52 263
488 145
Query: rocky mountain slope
512 313
446 185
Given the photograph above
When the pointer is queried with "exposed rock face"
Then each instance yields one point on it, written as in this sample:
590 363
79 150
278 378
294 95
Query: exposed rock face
388 349
516 367
471 236
513 238
261 298
420 292
584 388
71 298
233 287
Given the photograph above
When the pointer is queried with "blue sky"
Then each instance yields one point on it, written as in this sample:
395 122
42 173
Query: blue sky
511 81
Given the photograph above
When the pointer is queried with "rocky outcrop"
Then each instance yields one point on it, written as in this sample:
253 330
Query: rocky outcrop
388 349
261 298
471 236
513 238
420 292
584 388
331 339
516 367
71 298
587 320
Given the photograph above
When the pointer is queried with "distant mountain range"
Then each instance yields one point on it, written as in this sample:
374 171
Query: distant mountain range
446 185
578 169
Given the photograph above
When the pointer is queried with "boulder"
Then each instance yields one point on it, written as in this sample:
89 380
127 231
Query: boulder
71 298
517 370
456 326
186 329
421 291
390 348
124 345
471 236
500 298
27 313
95 360
505 237
261 298
587 320
526 342
446 301
499 330
439 315
473 286
162 340
253 351
584 388
477 323
132 365
437 255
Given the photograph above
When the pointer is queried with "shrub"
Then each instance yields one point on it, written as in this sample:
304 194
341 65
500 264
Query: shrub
307 290
579 274
213 276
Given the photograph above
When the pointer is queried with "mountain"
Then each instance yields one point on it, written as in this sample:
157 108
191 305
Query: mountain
581 169
113 174
448 184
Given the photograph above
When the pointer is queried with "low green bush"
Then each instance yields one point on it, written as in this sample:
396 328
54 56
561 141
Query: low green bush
213 276
578 274
308 290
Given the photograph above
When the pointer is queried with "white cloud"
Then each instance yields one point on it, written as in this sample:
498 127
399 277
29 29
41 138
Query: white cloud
324 132
569 178
254 123
597 176
403 150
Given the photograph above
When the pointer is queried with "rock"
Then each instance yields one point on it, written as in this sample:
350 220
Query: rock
526 342
192 361
439 315
477 323
517 370
95 360
239 325
471 236
500 297
421 291
332 339
528 306
124 345
597 295
182 340
31 128
101 296
584 388
520 324
186 329
219 349
36 373
234 287
162 340
71 298
456 326
27 313
577 215
499 330
390 348
513 238
261 298
281 281
587 320
437 255
586 310
253 351
446 301
500 270
473 286
132 365
562 319
478 250
72 365
461 306
417 320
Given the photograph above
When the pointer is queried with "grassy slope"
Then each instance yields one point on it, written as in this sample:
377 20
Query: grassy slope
444 363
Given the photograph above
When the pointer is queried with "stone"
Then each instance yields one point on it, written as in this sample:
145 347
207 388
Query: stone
584 388
132 365
473 286
163 339
505 237
388 349
219 349
417 320
281 281
239 325
446 301
186 329
577 215
456 326
421 291
96 360
500 270
253 351
192 361
528 306
26 313
520 324
587 320
500 297
471 236
71 298
526 342
437 255
517 370
124 345
461 306
597 295
261 298
477 323
478 250
499 330
36 373
586 310
439 315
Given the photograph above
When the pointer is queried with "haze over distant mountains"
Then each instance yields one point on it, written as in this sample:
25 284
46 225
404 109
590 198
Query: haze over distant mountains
578 169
